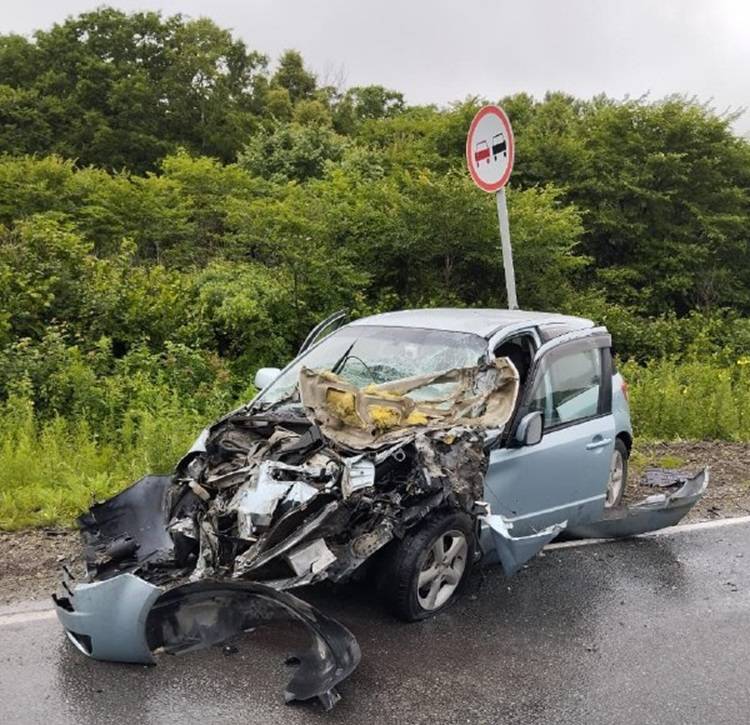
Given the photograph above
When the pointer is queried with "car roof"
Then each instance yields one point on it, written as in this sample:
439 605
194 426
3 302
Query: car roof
483 322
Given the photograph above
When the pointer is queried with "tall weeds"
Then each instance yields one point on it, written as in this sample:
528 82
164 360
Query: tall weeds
51 470
697 399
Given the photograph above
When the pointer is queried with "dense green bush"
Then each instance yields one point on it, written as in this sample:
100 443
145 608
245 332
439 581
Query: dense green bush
723 331
79 425
65 379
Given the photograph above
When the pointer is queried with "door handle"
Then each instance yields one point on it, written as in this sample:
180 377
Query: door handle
598 444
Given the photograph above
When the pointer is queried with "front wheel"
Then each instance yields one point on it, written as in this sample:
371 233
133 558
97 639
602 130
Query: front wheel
429 567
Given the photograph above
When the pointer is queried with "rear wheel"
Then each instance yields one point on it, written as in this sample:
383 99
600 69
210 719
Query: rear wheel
618 474
429 567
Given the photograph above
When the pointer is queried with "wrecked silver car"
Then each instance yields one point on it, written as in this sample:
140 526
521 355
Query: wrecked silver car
405 446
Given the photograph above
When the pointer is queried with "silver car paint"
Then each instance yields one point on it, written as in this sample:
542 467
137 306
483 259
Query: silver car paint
106 620
514 551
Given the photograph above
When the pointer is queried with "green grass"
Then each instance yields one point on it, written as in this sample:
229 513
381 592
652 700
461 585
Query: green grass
53 471
670 462
639 460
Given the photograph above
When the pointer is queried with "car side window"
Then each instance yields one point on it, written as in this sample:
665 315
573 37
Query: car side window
566 387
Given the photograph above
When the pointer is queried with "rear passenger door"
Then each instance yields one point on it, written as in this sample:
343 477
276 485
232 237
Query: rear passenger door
564 476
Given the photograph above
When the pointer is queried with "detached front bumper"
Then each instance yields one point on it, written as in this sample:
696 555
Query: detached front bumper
125 619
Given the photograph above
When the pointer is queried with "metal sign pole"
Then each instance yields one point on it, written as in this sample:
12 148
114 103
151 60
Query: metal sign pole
510 275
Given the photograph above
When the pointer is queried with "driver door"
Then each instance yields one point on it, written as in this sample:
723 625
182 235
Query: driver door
564 476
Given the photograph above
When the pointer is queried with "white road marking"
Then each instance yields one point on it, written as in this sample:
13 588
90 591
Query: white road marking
8 618
26 617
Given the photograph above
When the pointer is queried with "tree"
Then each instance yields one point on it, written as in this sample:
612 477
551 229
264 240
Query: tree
290 151
663 187
294 231
375 101
312 113
432 239
292 75
240 309
278 104
122 90
43 265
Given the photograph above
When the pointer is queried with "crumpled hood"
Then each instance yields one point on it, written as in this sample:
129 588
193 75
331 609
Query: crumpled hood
480 397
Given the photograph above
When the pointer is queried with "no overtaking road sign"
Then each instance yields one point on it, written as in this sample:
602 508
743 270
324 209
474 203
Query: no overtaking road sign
490 151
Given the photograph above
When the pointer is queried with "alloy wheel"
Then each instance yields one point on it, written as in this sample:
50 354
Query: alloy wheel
443 569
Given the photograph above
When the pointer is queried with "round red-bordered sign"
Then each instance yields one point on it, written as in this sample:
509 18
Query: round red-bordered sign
490 149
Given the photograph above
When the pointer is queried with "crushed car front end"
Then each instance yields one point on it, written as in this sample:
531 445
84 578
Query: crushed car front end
294 491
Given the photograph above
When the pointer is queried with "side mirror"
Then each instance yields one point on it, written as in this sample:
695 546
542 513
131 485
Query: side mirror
529 430
265 376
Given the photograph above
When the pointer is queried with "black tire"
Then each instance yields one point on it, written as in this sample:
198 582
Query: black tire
405 561
622 450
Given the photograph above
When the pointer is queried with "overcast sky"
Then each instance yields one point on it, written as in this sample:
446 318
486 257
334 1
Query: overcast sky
437 51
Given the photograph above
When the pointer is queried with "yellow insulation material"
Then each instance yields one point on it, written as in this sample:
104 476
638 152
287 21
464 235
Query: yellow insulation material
373 389
383 416
416 418
341 404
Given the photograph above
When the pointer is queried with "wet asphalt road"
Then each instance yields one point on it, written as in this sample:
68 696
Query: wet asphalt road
655 630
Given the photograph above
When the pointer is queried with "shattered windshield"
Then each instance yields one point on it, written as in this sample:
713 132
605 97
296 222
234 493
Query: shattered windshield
364 354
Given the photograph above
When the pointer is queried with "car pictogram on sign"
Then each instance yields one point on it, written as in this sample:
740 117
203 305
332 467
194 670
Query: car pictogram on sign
482 151
499 146
490 149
